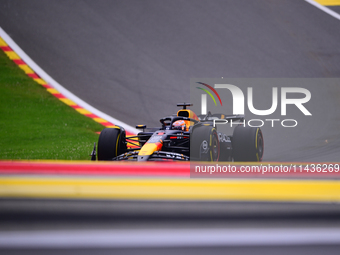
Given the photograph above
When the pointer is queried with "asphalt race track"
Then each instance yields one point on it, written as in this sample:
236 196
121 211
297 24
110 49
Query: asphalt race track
134 59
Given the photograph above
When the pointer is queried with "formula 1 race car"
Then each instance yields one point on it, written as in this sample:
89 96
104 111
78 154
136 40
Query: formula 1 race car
184 136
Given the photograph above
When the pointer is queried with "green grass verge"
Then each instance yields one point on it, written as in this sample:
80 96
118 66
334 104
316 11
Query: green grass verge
36 125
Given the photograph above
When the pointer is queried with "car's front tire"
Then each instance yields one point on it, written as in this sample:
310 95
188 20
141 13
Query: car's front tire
111 143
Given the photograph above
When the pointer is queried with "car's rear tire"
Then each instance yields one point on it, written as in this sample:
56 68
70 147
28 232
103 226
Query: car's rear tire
247 144
204 144
111 143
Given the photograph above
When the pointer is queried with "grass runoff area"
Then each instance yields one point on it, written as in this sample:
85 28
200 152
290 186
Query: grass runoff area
36 125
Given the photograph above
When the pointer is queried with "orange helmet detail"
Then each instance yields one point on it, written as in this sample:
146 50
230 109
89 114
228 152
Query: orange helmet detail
179 124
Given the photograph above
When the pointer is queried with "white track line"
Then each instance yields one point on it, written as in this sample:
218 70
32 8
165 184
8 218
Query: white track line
325 9
59 87
168 238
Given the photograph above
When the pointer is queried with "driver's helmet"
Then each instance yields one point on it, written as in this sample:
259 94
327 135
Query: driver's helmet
179 125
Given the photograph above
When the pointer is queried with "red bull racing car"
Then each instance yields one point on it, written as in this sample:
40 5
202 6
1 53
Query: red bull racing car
184 136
